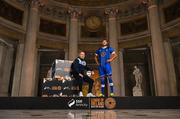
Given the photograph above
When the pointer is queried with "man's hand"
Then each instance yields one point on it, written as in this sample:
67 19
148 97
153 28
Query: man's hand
80 75
96 60
113 56
92 72
109 60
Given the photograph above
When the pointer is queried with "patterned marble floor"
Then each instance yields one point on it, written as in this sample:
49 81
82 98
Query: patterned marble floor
91 114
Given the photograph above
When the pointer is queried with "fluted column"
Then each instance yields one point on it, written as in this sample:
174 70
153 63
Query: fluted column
29 57
122 83
4 89
17 70
36 74
113 39
66 54
171 68
73 35
153 68
6 63
3 48
161 72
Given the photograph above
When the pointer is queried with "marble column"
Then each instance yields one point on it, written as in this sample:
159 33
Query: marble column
171 68
161 71
6 71
66 54
113 39
17 70
73 35
153 68
3 51
2 55
36 74
29 57
122 83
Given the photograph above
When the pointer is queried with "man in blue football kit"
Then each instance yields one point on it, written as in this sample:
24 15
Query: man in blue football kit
103 57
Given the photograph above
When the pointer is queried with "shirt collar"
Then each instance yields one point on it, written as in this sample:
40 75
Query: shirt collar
104 47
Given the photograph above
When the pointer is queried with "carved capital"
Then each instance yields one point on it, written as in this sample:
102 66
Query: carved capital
112 12
38 3
148 3
74 13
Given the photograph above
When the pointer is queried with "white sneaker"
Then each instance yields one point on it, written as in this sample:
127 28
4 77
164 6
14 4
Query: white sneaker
80 94
90 95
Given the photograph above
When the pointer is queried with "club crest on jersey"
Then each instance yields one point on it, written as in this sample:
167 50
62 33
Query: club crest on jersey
82 62
103 54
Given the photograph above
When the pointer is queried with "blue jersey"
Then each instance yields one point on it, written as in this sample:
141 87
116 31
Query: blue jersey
104 54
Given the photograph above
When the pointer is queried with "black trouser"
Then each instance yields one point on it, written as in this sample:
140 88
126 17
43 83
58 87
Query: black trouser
80 81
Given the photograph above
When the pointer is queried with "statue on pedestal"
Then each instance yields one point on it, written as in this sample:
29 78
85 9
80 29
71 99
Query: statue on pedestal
137 89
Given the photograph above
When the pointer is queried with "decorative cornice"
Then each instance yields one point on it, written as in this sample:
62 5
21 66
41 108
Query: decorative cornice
54 11
91 2
33 3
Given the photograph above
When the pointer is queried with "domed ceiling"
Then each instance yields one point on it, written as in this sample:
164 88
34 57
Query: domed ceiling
91 2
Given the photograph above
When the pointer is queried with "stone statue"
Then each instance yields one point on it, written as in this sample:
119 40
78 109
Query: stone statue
138 76
137 90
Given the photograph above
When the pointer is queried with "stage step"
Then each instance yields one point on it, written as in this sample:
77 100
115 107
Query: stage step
158 102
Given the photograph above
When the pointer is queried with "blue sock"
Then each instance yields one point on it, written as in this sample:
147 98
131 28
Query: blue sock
102 84
111 84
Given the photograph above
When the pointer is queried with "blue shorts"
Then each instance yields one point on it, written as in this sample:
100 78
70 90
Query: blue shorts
105 70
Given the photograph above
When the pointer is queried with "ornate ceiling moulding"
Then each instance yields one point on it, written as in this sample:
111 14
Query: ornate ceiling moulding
91 3
33 3
132 11
128 9
54 11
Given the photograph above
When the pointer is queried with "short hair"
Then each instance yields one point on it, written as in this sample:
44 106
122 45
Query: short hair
81 52
105 40
108 44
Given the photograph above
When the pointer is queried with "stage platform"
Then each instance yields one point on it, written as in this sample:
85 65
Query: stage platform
158 102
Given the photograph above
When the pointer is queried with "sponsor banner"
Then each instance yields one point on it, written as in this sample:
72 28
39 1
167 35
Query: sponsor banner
78 103
103 103
92 103
149 102
60 103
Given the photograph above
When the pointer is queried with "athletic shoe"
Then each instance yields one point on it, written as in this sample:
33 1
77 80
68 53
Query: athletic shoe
111 94
101 95
80 94
90 95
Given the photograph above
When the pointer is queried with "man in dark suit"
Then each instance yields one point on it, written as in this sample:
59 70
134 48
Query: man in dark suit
79 70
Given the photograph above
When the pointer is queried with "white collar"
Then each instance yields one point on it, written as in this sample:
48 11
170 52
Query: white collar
104 47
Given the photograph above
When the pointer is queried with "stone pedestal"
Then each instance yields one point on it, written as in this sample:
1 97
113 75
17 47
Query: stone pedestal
137 91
